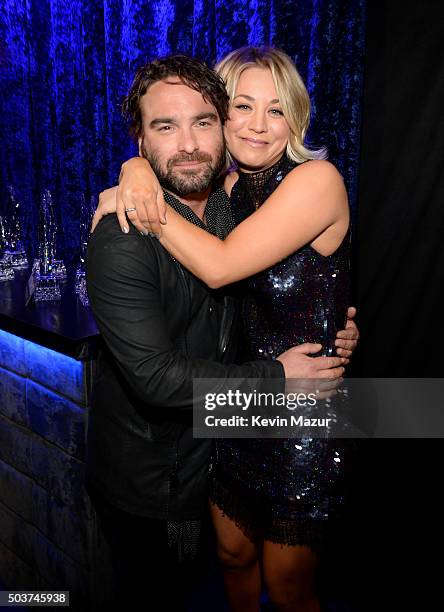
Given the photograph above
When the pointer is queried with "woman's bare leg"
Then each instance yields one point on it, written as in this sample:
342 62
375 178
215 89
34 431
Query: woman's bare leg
289 575
240 560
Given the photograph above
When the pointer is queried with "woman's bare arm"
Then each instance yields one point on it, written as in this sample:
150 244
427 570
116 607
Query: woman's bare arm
309 207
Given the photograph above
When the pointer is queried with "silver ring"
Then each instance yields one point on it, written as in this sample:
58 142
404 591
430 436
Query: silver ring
130 209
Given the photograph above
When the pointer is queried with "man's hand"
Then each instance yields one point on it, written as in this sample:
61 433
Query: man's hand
347 339
298 364
140 198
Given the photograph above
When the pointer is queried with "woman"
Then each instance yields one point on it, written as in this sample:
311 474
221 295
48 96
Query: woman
271 499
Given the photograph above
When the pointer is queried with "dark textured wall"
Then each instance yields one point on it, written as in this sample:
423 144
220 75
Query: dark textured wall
48 536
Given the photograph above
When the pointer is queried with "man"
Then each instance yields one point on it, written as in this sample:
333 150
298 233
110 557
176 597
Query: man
161 328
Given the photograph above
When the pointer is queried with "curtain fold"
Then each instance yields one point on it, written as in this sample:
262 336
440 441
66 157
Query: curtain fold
65 67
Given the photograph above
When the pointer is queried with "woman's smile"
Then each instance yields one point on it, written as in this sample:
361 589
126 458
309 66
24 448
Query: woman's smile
254 142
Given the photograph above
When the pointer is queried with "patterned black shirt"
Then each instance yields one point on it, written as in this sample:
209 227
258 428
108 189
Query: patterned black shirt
218 214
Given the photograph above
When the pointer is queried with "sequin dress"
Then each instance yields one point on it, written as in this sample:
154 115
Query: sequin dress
284 490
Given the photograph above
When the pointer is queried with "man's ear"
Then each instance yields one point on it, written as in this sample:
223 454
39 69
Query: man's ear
139 142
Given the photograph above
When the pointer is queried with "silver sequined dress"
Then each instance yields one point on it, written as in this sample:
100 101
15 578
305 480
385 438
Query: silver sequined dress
284 490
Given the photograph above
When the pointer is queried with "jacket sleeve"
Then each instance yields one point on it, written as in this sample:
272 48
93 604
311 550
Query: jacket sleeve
123 287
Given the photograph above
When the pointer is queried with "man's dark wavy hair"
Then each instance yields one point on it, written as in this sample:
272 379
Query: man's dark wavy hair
192 72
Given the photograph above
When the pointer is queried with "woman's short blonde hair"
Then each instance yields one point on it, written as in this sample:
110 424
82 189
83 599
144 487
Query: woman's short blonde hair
293 95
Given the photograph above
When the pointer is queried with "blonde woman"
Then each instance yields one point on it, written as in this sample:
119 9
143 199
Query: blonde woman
271 500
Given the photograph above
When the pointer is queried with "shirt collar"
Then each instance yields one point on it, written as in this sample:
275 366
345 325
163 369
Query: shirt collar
217 212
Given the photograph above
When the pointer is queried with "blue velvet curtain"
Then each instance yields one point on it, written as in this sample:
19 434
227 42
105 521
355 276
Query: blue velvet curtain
66 64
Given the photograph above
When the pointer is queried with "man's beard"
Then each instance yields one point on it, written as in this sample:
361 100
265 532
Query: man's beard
184 182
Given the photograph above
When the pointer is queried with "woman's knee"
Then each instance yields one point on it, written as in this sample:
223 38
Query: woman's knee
237 556
235 549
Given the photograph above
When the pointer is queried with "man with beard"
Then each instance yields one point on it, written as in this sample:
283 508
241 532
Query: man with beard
161 328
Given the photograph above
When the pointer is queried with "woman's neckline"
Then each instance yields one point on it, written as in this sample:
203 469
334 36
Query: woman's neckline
255 182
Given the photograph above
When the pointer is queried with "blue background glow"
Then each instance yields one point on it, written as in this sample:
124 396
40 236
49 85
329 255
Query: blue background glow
66 64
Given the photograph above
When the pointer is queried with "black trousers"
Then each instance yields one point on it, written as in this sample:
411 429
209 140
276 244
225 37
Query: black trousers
147 573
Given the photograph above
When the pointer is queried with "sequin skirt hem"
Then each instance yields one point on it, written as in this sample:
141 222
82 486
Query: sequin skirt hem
257 525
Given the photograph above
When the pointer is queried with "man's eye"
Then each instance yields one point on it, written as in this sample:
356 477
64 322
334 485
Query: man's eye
203 123
165 128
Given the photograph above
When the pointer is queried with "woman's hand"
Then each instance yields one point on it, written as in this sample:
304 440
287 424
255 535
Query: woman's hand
139 198
107 205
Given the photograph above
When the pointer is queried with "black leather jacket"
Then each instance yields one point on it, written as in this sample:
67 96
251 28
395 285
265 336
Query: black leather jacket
161 328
